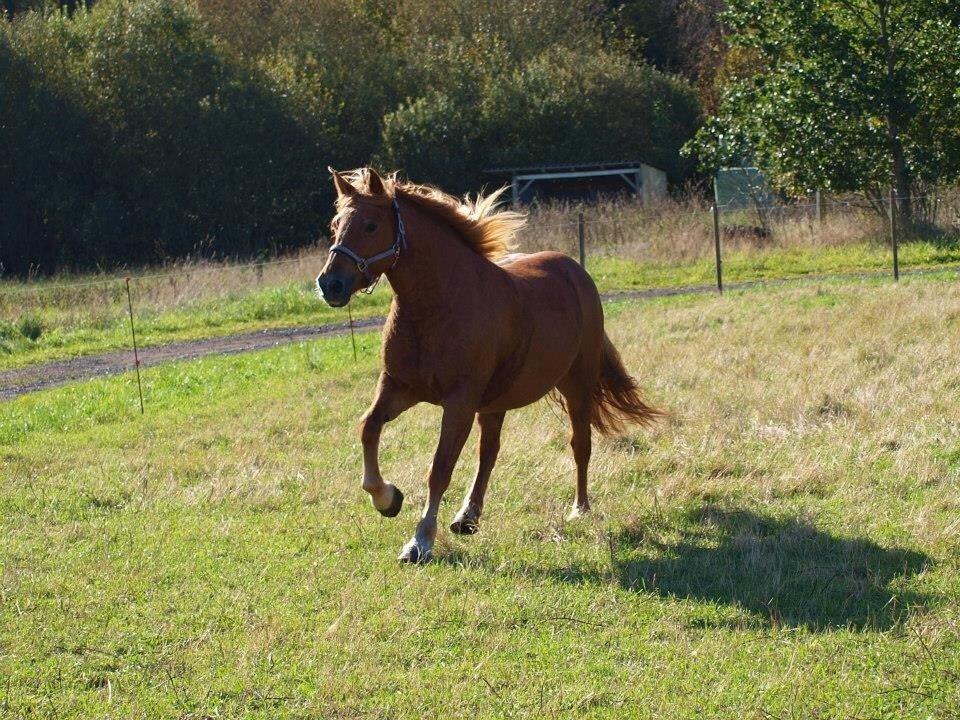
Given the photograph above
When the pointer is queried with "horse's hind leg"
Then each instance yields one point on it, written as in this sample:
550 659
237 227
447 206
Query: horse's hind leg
579 398
391 400
467 520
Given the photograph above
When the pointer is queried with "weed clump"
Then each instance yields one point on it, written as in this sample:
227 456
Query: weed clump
31 327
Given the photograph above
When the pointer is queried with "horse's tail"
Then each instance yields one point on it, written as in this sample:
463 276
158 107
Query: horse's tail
616 398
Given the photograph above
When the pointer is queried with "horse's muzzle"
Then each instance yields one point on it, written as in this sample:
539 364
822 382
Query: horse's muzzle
334 289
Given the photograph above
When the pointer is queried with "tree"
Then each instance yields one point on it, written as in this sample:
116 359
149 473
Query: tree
139 131
562 106
843 95
12 8
676 36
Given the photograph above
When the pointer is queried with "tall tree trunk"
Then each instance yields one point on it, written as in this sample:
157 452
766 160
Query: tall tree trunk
901 173
898 160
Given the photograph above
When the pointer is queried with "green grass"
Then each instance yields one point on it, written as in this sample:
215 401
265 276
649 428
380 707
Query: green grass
46 335
54 329
786 546
291 304
614 273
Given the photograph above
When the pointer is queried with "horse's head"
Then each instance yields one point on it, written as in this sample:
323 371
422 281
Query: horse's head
365 241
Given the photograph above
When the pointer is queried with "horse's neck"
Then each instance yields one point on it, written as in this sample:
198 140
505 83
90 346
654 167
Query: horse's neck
430 272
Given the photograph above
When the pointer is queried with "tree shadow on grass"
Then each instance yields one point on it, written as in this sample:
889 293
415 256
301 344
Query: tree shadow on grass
784 572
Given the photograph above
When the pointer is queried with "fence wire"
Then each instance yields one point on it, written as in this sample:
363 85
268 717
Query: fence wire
633 217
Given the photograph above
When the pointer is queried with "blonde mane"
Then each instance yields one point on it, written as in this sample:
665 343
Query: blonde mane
485 229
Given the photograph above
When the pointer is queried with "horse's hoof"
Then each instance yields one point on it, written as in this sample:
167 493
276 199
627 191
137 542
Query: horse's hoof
414 554
464 526
393 509
578 512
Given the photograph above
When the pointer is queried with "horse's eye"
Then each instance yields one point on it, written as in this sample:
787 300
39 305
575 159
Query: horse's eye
369 226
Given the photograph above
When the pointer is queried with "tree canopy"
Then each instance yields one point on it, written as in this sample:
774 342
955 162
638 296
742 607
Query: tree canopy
841 95
139 130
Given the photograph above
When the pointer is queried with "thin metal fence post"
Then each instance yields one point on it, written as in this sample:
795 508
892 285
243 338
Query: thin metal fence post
819 203
893 234
716 243
136 355
580 238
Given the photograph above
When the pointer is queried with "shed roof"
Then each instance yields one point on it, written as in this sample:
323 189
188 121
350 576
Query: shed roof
571 167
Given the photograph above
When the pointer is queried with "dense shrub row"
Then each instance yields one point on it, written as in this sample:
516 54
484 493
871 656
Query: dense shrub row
139 131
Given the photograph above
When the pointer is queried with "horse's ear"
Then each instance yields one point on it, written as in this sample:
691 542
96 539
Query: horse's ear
344 188
375 183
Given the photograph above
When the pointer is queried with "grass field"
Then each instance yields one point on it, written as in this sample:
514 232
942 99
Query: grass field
46 323
786 546
629 247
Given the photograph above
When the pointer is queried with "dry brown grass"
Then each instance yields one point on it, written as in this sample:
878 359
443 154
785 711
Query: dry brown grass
99 297
681 230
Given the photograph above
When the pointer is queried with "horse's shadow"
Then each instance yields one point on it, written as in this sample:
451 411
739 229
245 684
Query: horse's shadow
782 572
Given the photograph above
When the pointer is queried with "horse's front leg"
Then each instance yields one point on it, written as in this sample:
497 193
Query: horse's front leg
391 400
454 430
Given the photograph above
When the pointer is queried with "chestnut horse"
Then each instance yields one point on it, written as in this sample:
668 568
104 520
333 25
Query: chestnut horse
473 336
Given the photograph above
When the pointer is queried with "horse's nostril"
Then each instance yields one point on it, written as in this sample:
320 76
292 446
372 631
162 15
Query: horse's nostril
335 287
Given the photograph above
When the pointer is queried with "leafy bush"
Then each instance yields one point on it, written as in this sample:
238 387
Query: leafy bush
142 130
567 106
562 106
133 139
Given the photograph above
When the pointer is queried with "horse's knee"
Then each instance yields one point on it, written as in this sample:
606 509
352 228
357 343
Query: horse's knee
581 444
490 449
370 426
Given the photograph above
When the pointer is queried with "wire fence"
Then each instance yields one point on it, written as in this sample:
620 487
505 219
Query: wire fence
209 297
632 217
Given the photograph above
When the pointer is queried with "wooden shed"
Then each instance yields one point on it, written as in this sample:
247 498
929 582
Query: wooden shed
583 181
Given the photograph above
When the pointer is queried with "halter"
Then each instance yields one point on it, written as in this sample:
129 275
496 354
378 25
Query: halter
363 263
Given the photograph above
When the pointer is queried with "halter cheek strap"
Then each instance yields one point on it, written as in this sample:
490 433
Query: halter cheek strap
364 263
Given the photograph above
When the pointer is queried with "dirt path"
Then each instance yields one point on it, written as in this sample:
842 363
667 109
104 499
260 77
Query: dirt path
20 381
46 375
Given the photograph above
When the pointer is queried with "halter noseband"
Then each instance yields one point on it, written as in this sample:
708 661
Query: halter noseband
363 263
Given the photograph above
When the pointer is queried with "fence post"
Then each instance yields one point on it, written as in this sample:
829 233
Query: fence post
893 234
819 206
583 247
716 242
136 355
